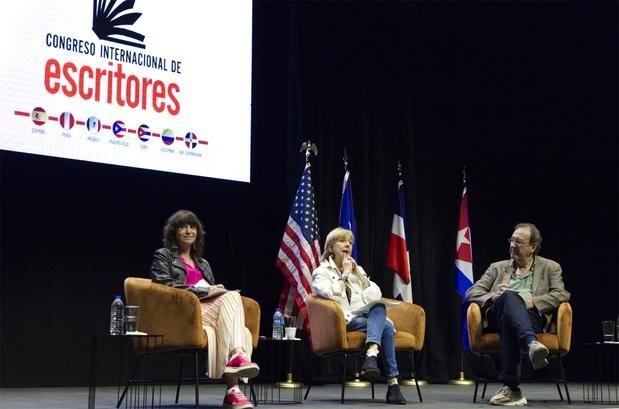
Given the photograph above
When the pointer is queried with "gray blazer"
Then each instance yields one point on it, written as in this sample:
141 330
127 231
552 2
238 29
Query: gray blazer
548 289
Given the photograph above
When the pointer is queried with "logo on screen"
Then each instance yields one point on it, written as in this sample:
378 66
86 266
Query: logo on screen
108 22
39 116
144 133
93 124
167 136
119 129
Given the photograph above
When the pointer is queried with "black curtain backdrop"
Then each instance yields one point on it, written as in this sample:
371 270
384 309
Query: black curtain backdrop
524 94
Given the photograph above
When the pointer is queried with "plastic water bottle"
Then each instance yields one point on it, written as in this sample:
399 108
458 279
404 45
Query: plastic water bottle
278 324
116 316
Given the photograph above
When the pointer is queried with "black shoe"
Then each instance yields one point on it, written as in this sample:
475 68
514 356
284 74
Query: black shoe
370 369
394 395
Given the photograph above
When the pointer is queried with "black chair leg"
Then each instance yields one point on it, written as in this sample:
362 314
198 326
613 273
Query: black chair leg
559 390
129 381
197 366
475 393
309 384
414 373
180 374
252 392
483 393
344 378
567 391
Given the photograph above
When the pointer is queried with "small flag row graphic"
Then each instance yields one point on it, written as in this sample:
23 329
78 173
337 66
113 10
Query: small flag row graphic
67 121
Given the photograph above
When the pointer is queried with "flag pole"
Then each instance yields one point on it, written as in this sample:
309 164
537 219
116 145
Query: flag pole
307 148
409 381
356 382
461 379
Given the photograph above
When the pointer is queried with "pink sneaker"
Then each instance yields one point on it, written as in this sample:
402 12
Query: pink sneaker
241 367
236 400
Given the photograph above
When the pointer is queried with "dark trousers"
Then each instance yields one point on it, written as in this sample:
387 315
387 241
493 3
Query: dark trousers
517 326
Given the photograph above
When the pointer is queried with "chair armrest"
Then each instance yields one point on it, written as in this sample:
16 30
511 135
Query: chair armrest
473 323
328 326
409 318
564 327
252 318
167 311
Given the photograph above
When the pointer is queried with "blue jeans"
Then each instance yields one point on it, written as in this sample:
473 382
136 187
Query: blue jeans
517 326
380 331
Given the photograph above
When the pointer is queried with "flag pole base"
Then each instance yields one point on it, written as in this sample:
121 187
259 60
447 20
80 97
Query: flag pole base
289 383
461 380
357 383
411 382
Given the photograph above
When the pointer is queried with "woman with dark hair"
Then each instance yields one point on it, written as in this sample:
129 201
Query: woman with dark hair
180 264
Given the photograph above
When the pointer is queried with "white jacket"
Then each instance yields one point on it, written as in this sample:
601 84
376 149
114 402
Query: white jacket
325 284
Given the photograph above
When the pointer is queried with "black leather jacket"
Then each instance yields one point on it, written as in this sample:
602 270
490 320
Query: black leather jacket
168 269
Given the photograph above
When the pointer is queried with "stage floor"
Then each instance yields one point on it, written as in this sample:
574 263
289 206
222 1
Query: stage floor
435 397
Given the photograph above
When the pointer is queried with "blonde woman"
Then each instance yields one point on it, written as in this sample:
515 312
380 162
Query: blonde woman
339 278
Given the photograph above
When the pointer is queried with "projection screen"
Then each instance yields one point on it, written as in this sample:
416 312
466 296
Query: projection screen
147 84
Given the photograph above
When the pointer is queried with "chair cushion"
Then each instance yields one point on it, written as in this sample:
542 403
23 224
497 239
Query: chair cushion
405 341
355 340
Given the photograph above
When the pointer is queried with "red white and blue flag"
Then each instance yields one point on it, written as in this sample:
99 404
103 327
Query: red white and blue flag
464 262
397 255
191 140
144 133
347 212
299 251
119 129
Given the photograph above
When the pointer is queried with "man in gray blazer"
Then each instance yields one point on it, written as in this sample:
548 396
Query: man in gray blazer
518 297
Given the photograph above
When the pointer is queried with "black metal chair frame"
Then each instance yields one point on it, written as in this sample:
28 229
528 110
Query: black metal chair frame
557 381
356 353
196 379
342 381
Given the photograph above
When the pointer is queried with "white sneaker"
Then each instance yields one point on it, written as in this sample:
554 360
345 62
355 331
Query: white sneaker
507 397
537 354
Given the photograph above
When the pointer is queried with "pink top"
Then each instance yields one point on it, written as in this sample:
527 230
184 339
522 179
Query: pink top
193 274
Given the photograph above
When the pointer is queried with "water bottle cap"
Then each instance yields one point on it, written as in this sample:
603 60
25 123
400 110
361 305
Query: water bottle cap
117 296
278 309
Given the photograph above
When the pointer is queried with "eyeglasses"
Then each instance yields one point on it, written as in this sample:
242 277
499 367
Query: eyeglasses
517 241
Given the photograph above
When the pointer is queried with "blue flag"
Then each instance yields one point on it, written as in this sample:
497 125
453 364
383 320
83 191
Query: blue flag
347 213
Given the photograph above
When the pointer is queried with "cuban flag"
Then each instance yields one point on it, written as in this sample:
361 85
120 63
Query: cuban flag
464 263
347 213
397 255
144 133
66 120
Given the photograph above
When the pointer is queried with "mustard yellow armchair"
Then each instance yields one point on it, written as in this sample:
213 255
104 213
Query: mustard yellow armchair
176 314
328 335
558 341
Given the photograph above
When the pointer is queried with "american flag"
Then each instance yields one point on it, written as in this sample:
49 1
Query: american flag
464 263
397 254
299 251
